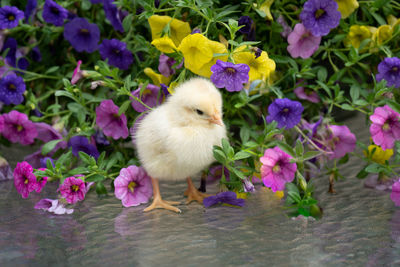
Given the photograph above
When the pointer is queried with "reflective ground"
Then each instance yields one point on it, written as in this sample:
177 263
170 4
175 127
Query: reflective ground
360 227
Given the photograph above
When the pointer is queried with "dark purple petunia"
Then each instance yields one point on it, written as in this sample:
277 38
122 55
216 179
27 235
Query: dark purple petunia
320 16
100 138
96 1
229 75
82 35
116 53
286 112
54 13
227 197
35 54
12 88
248 29
113 15
81 143
29 8
10 17
157 3
11 45
389 70
196 30
164 90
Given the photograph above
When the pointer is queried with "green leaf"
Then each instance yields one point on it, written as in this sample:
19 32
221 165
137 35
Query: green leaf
52 69
347 107
299 148
238 173
124 107
394 105
127 22
49 146
344 159
64 93
310 154
362 174
354 92
375 168
78 170
241 155
285 147
322 74
101 189
219 156
244 134
84 157
325 87
225 146
95 178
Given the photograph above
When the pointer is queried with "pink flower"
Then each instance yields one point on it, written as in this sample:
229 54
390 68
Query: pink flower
78 74
149 96
18 128
73 190
395 195
343 141
133 186
53 205
24 179
385 127
110 122
302 43
305 94
1 123
276 170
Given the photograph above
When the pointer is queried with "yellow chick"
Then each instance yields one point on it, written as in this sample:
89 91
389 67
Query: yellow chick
175 140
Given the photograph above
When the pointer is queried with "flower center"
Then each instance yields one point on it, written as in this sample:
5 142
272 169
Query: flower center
117 51
74 188
84 31
115 115
286 110
19 128
395 69
26 181
305 35
230 70
11 86
386 126
11 17
319 13
131 186
276 168
55 10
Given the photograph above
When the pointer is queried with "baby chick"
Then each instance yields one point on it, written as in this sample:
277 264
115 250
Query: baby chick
175 140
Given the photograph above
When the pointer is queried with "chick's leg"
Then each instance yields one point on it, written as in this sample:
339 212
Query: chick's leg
158 202
193 194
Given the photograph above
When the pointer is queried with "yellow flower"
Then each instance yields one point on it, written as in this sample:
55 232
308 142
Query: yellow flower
156 78
178 28
393 21
216 48
164 44
260 68
380 155
346 7
357 34
382 34
265 8
279 194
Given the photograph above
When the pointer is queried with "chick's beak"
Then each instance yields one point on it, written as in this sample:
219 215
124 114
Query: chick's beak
216 119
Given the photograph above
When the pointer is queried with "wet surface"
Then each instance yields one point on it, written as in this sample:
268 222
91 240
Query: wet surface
360 227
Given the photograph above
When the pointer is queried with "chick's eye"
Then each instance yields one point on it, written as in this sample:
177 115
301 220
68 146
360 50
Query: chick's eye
199 112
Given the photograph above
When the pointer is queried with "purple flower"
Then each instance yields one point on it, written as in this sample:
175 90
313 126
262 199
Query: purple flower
133 186
78 73
46 132
53 205
164 90
81 143
29 8
276 169
54 13
165 64
116 53
110 122
9 17
5 169
286 28
73 190
11 45
1 123
227 197
82 35
389 70
302 43
43 162
24 179
343 141
248 186
196 30
286 112
320 16
113 15
100 138
35 54
307 94
12 88
215 174
395 195
229 75
96 1
385 127
247 24
149 97
18 128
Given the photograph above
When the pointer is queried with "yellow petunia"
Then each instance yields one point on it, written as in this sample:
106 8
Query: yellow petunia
164 44
346 7
382 34
178 28
157 78
260 67
380 155
265 8
216 48
393 21
357 34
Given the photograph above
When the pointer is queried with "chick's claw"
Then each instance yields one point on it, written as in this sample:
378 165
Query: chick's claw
193 194
162 204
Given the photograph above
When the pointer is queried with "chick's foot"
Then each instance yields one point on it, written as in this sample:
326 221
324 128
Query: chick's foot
158 203
193 194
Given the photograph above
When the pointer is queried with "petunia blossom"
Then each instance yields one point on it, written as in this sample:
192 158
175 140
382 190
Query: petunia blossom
53 205
307 94
389 70
385 127
227 197
81 143
302 43
343 141
148 96
73 189
110 122
286 112
24 179
18 128
230 76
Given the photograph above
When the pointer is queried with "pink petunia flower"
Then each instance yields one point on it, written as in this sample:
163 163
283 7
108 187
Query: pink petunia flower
1 123
343 141
395 195
78 73
385 127
276 170
308 95
24 179
73 190
53 205
18 128
110 122
133 186
302 43
149 97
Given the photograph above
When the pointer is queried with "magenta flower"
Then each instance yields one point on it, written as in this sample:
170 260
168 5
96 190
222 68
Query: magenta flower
276 170
78 74
18 128
133 186
343 141
1 123
307 94
53 205
110 122
302 43
395 195
385 127
165 64
24 179
73 190
149 97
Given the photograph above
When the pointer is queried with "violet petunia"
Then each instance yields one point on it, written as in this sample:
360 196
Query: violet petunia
149 96
54 13
46 132
389 70
230 76
24 179
18 128
215 174
276 169
81 143
82 35
78 73
307 94
116 53
248 27
227 197
385 127
133 186
110 122
302 43
342 140
112 14
53 205
248 186
165 64
12 88
286 112
29 8
73 189
10 17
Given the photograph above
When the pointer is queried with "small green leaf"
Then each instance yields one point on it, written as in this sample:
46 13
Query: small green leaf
219 156
354 92
225 146
241 155
49 146
347 107
299 148
64 93
310 154
95 178
124 107
101 189
84 157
